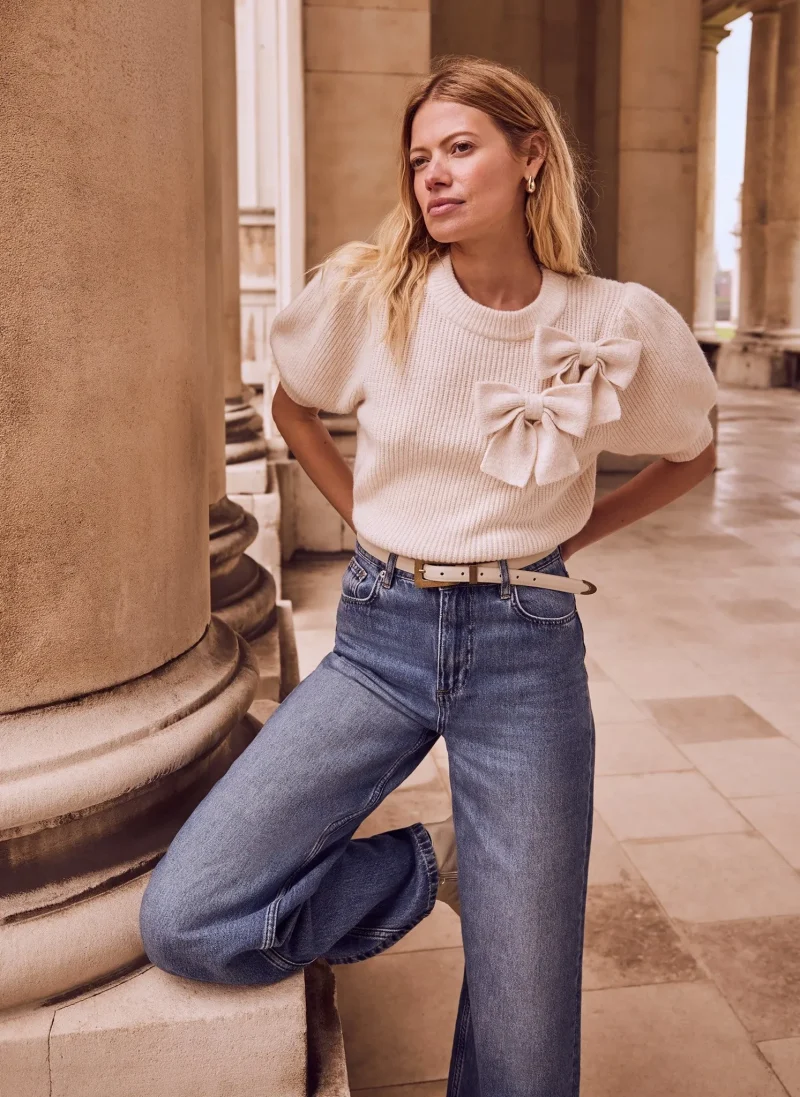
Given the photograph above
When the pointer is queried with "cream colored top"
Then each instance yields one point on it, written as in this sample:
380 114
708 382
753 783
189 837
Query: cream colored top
483 444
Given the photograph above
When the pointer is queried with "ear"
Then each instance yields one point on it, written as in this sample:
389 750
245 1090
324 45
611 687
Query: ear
537 148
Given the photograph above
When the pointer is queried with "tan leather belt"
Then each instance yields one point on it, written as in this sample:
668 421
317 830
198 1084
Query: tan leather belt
442 575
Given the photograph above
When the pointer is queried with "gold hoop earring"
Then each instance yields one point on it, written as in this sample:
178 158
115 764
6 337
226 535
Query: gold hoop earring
531 184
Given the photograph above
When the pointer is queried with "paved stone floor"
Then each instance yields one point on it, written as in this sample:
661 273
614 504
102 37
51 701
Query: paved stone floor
692 958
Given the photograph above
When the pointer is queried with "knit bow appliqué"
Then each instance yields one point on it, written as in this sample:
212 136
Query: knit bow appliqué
530 432
605 366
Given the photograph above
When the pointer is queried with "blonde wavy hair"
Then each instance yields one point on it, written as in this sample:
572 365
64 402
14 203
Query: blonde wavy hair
390 270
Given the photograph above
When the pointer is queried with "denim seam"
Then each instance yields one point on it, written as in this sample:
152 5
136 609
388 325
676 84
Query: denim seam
425 847
271 913
461 1047
374 591
547 622
576 1051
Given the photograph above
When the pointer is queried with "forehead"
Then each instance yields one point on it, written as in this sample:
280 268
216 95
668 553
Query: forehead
437 118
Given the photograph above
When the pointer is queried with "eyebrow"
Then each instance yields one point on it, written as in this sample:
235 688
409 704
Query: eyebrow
450 136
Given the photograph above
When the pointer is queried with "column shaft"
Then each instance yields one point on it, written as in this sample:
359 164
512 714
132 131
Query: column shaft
658 147
705 297
757 161
783 227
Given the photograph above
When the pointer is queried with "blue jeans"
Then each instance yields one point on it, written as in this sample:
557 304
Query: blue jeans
265 875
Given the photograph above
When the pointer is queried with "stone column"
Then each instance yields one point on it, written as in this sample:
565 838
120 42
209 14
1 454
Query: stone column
746 359
123 699
657 194
243 592
244 431
705 298
249 273
783 227
757 161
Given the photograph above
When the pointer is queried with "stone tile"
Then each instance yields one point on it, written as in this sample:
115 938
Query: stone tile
718 877
661 805
775 697
704 719
658 671
778 819
749 767
635 748
759 611
595 671
784 1057
398 1016
669 1040
630 941
421 1089
608 861
756 965
609 703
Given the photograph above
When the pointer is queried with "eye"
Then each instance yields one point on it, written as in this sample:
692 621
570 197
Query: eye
459 143
416 161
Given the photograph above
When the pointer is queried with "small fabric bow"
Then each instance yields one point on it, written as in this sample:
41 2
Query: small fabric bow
607 365
530 432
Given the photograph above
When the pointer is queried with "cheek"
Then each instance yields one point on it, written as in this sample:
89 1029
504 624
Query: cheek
490 191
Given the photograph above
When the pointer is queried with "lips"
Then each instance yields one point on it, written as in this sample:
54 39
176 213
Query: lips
444 204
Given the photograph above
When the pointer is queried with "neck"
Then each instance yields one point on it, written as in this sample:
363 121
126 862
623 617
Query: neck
498 275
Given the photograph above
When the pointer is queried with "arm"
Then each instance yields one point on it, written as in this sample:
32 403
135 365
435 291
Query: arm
311 443
656 485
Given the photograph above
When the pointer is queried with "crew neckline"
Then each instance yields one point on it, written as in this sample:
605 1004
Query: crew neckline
452 300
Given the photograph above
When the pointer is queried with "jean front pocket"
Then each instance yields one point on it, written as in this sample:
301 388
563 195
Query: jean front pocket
360 584
542 605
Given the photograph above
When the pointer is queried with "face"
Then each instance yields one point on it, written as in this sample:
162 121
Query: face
459 154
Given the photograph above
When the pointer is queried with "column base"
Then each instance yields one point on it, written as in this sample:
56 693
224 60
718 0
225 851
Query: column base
242 592
752 363
152 1034
94 789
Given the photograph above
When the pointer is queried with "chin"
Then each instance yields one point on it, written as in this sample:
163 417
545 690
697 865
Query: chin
444 235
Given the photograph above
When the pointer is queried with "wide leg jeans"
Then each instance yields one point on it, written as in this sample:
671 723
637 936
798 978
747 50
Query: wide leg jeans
265 876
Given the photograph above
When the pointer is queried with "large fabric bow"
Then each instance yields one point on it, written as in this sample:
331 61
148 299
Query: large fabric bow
607 365
530 432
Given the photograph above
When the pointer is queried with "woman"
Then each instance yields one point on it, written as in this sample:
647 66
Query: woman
487 370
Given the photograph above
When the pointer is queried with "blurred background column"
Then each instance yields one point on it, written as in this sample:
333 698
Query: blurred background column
658 103
783 228
705 296
242 591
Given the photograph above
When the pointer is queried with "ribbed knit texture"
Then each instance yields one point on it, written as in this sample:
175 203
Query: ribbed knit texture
418 488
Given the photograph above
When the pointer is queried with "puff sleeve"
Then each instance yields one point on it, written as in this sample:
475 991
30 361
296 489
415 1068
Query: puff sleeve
316 342
665 407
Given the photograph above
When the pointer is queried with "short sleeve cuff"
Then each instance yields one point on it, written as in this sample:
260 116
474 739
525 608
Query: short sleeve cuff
704 438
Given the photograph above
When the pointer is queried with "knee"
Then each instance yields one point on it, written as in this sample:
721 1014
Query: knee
164 924
184 934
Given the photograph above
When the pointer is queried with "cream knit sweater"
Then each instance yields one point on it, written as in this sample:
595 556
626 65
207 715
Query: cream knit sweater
484 443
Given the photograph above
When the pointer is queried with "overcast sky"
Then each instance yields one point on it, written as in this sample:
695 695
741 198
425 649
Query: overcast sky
732 61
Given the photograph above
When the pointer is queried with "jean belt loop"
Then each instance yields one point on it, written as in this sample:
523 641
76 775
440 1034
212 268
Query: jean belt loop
389 570
505 582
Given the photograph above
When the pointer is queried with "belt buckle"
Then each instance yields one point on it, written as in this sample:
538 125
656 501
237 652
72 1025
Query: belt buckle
421 581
